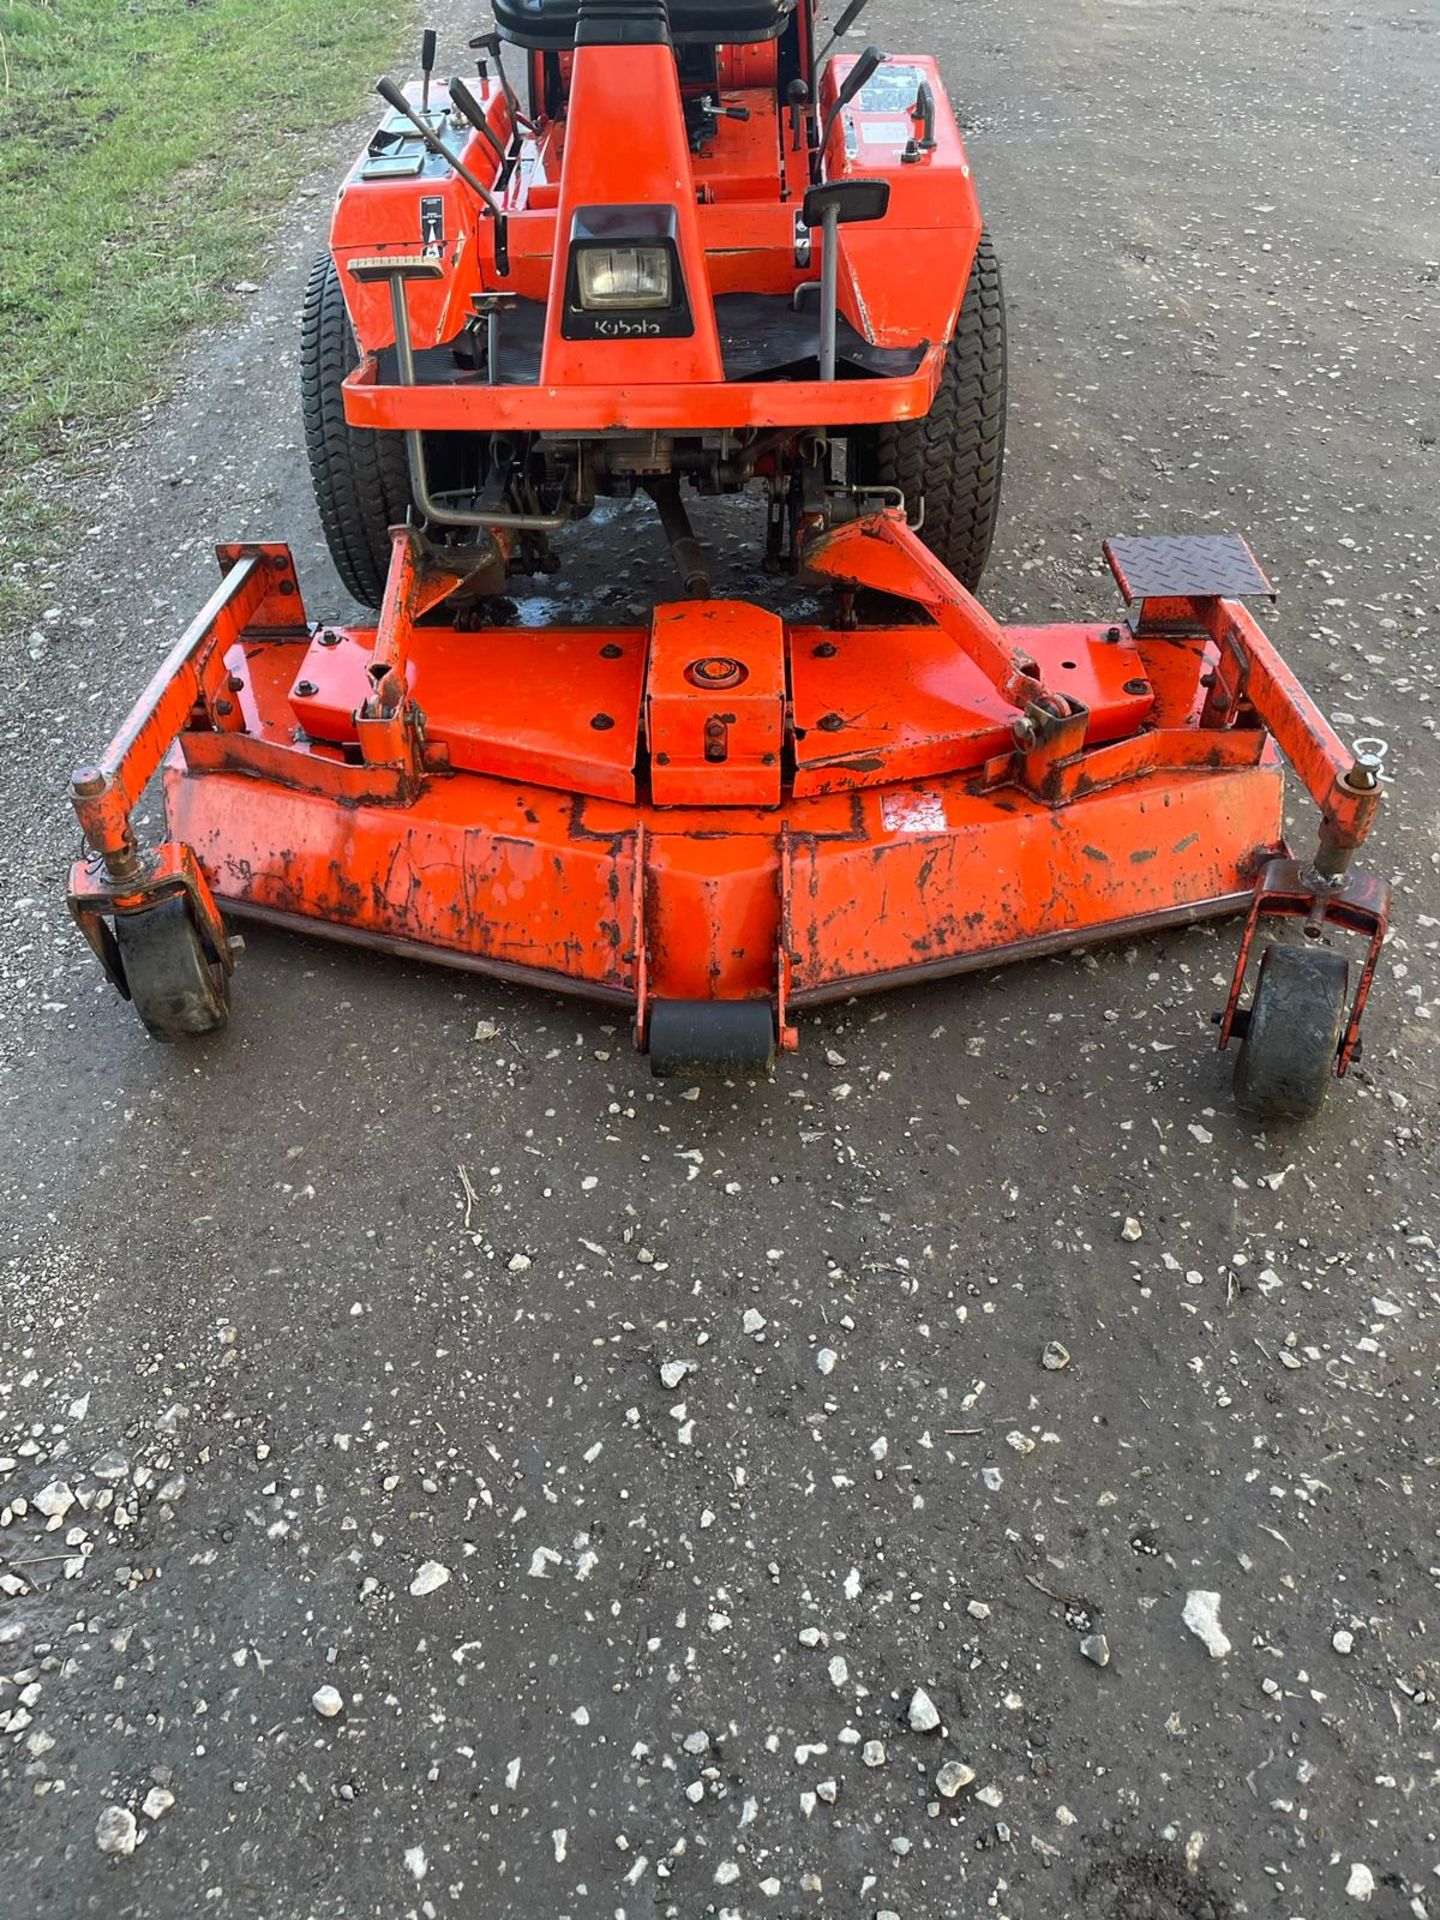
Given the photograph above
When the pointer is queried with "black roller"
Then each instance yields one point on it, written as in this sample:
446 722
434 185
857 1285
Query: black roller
696 1039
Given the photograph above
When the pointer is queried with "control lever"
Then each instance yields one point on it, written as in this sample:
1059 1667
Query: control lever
925 114
923 111
858 78
798 94
471 109
710 106
393 97
829 206
842 26
488 45
429 41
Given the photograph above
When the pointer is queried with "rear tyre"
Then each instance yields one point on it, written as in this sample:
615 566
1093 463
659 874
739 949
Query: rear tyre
1292 1038
362 479
953 459
179 989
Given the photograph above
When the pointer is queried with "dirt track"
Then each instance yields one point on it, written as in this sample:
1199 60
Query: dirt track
252 1271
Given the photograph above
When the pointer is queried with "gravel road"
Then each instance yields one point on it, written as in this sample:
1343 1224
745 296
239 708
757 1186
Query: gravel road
444 1472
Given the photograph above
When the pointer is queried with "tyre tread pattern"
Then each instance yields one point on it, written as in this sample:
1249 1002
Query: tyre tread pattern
361 478
1288 1055
953 458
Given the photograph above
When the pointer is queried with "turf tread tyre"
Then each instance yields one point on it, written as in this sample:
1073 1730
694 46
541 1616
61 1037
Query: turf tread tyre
1292 1037
361 478
953 459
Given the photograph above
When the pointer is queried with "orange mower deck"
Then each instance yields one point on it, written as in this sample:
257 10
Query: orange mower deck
720 811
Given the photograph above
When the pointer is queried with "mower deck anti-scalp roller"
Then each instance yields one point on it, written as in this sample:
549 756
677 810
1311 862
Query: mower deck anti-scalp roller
697 259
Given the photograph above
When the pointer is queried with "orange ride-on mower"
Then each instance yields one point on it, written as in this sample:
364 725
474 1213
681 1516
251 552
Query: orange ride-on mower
685 248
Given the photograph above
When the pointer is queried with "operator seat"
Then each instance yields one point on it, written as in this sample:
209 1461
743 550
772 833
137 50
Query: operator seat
551 25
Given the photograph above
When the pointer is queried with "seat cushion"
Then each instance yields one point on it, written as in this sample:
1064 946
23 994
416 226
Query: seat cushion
553 24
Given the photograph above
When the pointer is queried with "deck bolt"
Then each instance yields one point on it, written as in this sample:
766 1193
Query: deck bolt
88 782
602 723
1137 687
329 638
305 689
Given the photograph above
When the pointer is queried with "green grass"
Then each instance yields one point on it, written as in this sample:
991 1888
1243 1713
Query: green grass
146 150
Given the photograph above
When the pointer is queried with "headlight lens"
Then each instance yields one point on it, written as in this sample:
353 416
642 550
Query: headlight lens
629 277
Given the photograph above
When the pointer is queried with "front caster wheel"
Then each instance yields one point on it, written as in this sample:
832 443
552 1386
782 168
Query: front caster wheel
1292 1038
179 988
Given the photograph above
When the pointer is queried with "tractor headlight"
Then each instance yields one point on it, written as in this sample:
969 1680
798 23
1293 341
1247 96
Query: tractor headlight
636 279
624 279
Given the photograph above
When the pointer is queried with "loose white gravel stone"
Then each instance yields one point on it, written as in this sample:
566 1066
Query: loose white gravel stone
1342 1640
115 1831
158 1802
55 1501
839 1670
1096 1648
1361 1883
1202 1617
754 1321
826 1359
1055 1358
1132 1229
873 1753
672 1372
953 1777
428 1578
327 1702
924 1714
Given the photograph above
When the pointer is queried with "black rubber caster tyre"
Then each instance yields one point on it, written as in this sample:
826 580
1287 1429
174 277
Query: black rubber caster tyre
178 988
709 1039
361 479
954 458
1292 1038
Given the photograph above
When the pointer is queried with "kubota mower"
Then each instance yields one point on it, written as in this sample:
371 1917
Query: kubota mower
682 248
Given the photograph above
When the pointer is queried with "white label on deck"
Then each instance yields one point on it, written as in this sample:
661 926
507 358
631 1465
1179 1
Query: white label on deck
913 812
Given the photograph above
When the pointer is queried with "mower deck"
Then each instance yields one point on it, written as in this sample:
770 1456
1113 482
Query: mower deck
718 809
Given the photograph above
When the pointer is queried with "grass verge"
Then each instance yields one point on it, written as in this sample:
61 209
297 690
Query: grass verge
146 147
